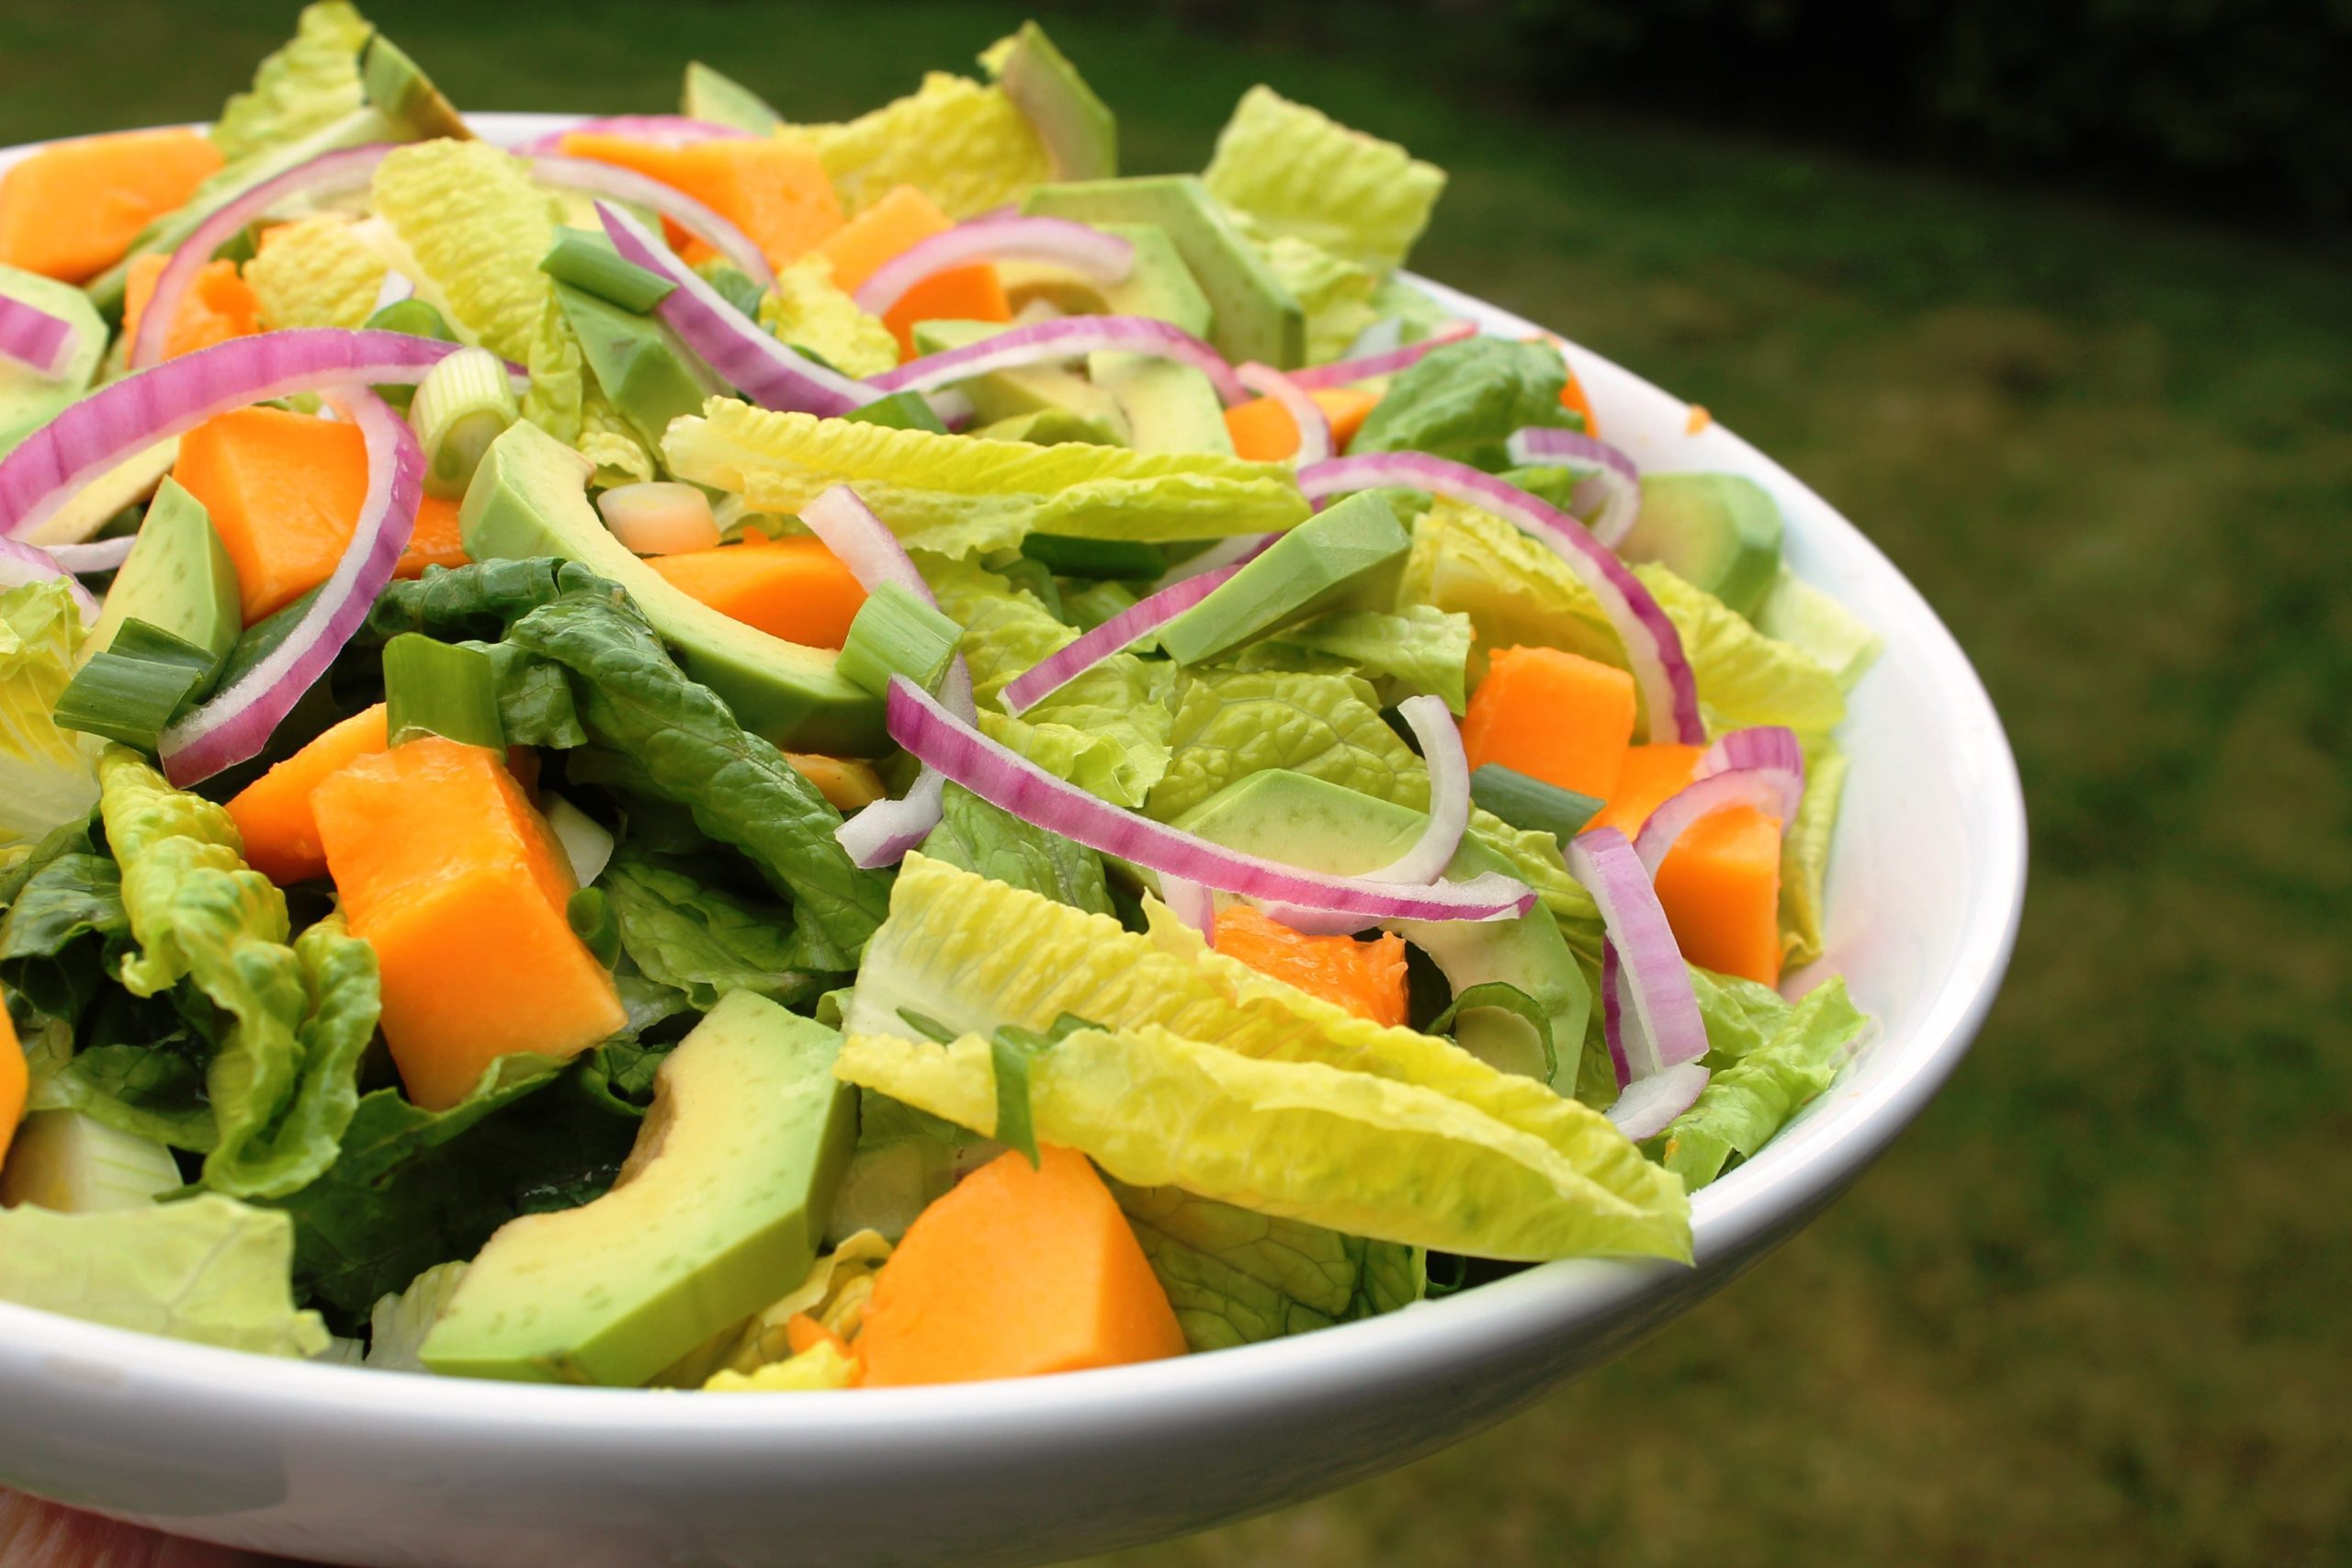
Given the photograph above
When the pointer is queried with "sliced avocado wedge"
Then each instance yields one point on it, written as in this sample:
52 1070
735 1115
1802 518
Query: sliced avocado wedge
1081 135
1011 394
1348 553
29 400
717 1212
1324 826
721 100
405 94
1253 316
529 498
1719 532
1158 284
1170 407
650 378
178 578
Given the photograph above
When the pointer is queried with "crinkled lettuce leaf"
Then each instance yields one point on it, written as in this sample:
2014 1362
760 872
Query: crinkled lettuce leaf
1420 646
1297 170
314 272
961 144
960 497
48 776
211 1270
1517 591
1463 400
821 1366
699 939
1335 292
607 440
835 1294
1805 856
1760 1079
397 1323
1803 617
472 229
978 837
809 308
309 81
293 1019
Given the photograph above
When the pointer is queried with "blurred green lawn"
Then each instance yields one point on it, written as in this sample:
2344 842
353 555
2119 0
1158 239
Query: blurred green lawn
2093 1309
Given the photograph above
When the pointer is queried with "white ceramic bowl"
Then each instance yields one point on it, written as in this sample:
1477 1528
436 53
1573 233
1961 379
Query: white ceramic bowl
355 1467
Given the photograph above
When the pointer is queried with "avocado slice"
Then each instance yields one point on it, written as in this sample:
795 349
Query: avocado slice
28 398
1081 135
403 94
1348 553
719 99
1158 284
1010 394
1253 316
529 498
1170 407
178 579
1719 532
718 1211
647 376
1325 827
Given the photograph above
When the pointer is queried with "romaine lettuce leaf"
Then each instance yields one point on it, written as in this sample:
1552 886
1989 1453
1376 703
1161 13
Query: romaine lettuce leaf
209 1270
809 308
1235 1277
1336 293
960 497
820 1367
835 1294
1802 615
1755 1091
699 939
314 273
309 81
962 144
1805 856
1420 646
398 1324
64 921
1295 171
977 837
48 776
1463 400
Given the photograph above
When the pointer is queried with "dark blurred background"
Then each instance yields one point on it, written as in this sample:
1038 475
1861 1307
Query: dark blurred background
2051 299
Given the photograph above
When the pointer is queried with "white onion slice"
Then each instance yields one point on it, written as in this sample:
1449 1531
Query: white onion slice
1097 256
21 563
1651 1014
1314 425
1647 1107
1190 903
1771 791
1600 464
1449 765
106 554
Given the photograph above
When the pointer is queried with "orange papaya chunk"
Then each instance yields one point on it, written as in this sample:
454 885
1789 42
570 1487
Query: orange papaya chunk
776 194
218 305
273 813
284 491
1720 887
1553 715
792 588
434 540
1365 978
70 210
897 221
1651 776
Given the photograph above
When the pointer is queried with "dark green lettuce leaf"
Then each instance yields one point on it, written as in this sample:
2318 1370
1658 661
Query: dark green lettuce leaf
697 939
1462 401
978 837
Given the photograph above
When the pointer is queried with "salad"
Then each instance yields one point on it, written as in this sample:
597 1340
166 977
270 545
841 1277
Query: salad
717 753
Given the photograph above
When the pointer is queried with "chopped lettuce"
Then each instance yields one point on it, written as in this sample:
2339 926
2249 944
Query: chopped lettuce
1236 1277
1805 856
1760 1077
1297 170
1463 400
821 1366
1230 724
1797 613
314 272
398 1324
686 933
209 1270
961 144
960 497
835 1294
48 776
977 837
809 308
1420 646
1336 293
306 85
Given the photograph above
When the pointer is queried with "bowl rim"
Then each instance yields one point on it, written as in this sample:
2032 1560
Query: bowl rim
1746 1210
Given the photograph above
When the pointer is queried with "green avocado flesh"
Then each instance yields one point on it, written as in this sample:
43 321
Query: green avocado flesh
1329 828
718 1211
1718 532
1011 394
1253 316
1169 407
1080 136
646 377
1158 284
719 99
528 498
29 400
178 579
1339 554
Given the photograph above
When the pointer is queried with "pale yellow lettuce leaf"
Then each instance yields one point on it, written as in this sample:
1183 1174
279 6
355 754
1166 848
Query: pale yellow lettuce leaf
1295 171
809 308
961 144
314 272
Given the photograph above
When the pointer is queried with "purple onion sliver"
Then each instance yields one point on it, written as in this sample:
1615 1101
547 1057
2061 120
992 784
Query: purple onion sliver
1670 687
1065 338
41 343
1661 1024
21 563
662 130
1066 664
1190 903
844 524
1612 1011
104 556
1347 372
1012 782
1648 1106
627 185
1771 791
1759 746
1449 769
1102 257
743 353
1313 425
236 723
1543 447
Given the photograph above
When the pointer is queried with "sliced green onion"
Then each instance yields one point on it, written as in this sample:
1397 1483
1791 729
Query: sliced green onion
1121 560
1011 1052
662 517
1510 998
897 634
414 317
463 404
593 922
440 688
900 411
586 843
132 690
588 261
1532 804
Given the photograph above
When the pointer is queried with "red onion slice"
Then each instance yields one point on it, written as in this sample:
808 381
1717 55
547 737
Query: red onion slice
661 129
1103 258
742 350
1058 669
1653 648
236 723
1314 425
1769 790
1603 466
1650 1012
844 524
1648 1106
627 184
328 174
41 343
21 563
1761 745
1449 766
126 417
1067 338
1190 903
106 554
1004 778
1347 372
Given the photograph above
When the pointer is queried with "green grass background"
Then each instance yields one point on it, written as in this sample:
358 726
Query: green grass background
2093 1310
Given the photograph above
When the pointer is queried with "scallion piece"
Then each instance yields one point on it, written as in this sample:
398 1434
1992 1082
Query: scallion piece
414 317
440 688
1530 803
463 404
900 411
588 262
593 922
897 634
133 690
1123 560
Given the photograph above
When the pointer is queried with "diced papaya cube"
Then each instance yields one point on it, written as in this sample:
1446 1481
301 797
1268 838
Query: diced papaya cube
444 867
273 813
792 588
897 221
1553 715
1721 889
1651 776
70 210
434 541
1365 978
776 194
1015 1273
1262 431
284 491
16 1078
218 305
1345 407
